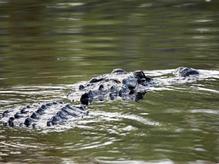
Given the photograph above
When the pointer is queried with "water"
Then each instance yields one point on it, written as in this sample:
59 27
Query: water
45 46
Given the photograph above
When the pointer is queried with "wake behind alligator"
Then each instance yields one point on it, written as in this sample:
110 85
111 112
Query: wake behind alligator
118 85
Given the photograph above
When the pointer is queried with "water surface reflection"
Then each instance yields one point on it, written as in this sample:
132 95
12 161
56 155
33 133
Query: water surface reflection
47 45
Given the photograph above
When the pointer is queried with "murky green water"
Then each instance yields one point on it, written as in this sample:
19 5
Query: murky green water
46 45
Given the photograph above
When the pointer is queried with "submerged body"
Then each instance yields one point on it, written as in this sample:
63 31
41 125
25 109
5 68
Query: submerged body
118 85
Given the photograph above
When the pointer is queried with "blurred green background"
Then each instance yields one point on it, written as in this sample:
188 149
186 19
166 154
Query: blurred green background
57 41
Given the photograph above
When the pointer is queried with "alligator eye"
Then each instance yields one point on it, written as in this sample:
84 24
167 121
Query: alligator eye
96 79
118 71
141 76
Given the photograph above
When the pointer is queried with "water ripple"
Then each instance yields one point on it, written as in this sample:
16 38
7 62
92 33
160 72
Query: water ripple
112 116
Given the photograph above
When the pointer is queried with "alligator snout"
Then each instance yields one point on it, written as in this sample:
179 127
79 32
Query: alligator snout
185 72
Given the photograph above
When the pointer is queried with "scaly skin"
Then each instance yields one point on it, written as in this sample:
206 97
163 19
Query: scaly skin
118 85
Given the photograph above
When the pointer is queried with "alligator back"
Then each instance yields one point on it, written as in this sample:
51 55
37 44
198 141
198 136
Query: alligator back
43 115
118 85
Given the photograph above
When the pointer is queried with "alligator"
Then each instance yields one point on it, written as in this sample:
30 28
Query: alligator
117 85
